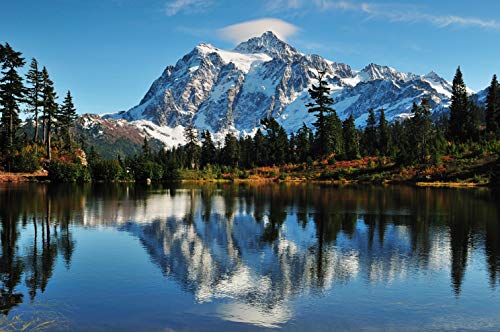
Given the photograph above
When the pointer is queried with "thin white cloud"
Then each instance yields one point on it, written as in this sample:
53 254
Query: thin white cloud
405 14
390 12
243 31
277 5
188 6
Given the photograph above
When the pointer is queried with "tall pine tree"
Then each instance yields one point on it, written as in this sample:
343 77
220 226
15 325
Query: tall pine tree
192 147
66 118
370 134
334 141
493 107
208 149
277 141
458 109
351 142
322 107
34 78
422 130
383 134
50 109
230 151
12 93
261 153
303 143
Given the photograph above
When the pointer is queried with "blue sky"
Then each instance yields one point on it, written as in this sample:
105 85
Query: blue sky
108 52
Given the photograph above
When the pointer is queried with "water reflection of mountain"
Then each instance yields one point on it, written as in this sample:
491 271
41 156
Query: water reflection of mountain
257 246
266 243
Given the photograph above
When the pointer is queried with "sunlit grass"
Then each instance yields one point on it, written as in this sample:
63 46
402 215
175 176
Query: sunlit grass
35 320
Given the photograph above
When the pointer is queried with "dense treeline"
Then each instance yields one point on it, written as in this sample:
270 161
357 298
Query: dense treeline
49 122
417 140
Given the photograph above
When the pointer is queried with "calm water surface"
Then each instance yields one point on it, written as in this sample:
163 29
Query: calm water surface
244 258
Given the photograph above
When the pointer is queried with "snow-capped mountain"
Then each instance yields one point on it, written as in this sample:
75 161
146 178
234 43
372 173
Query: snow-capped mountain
222 90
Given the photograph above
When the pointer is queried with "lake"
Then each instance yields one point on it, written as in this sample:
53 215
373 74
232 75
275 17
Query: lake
224 257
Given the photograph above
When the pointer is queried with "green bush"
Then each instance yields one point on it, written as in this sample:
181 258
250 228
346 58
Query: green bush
106 170
148 170
26 160
211 172
60 171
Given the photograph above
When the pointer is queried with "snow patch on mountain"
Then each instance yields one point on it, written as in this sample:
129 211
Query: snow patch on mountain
242 61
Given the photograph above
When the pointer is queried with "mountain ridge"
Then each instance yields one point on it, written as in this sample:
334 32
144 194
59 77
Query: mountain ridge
232 90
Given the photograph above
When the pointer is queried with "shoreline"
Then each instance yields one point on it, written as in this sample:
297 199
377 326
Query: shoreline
6 177
42 176
436 184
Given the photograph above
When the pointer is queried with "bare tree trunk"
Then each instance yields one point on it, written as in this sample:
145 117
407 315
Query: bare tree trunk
35 136
11 129
44 128
49 154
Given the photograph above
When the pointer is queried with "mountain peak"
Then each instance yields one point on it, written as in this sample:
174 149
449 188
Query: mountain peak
378 72
433 75
268 43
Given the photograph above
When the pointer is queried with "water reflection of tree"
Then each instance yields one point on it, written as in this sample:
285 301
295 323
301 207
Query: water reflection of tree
417 221
49 211
11 265
492 244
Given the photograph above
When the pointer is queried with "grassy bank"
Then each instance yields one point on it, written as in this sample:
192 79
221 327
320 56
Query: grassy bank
467 171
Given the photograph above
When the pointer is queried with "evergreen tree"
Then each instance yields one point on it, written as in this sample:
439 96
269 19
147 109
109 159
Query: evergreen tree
146 154
493 107
304 143
292 152
350 135
208 149
277 141
34 100
383 134
50 108
321 107
66 118
230 151
260 150
334 140
192 147
11 94
370 135
458 109
247 153
416 137
421 130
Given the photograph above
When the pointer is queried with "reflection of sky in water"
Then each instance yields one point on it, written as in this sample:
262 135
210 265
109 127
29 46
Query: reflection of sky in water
272 259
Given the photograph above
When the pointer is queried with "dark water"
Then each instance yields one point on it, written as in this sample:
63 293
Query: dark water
242 258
